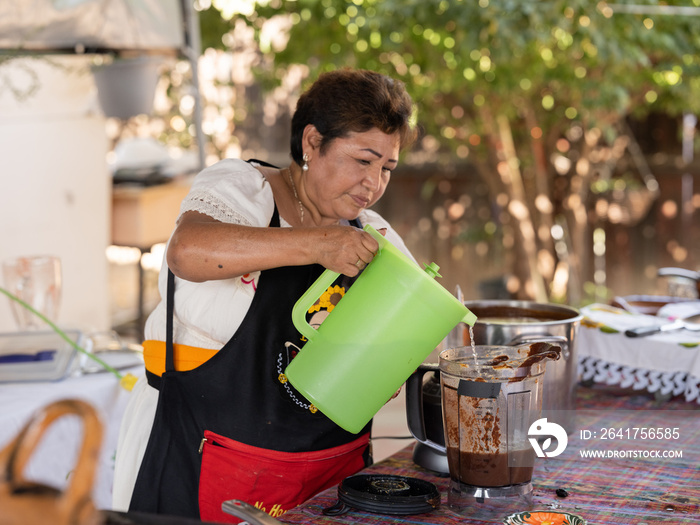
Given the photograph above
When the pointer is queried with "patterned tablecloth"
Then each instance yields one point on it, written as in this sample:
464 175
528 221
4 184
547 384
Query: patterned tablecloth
616 489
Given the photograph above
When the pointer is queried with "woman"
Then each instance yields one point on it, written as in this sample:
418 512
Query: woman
215 419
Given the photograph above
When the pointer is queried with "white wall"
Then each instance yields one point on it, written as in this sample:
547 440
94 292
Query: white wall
55 196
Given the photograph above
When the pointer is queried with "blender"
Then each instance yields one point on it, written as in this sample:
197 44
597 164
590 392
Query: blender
491 395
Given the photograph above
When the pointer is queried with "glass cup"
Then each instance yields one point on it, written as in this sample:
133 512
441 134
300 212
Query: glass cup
37 281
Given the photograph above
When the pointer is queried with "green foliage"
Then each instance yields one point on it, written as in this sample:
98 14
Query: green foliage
557 77
212 28
561 59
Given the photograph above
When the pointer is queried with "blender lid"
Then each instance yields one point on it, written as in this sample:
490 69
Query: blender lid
386 494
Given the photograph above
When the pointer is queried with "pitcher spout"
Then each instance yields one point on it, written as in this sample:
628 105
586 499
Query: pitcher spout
469 318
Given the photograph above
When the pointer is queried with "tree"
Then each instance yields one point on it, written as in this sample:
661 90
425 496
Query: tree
535 95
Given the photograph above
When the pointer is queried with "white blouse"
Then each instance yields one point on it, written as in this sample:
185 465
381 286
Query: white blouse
207 314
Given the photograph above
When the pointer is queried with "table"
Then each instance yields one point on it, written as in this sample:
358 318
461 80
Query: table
665 364
615 491
145 215
56 454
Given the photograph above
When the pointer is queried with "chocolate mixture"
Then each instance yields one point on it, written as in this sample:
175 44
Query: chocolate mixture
492 470
476 454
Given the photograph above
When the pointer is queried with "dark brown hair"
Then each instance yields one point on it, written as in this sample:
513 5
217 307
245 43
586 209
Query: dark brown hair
348 100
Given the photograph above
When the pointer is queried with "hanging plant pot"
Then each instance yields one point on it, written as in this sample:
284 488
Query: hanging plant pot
126 87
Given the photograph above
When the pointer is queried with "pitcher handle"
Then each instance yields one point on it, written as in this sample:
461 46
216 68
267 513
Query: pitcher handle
307 300
414 406
315 291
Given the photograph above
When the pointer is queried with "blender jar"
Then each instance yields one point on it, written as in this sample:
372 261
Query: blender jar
490 397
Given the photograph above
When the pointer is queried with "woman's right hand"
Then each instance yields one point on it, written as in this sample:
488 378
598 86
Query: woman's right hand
344 249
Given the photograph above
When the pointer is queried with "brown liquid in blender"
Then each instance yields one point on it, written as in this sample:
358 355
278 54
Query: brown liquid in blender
491 470
478 466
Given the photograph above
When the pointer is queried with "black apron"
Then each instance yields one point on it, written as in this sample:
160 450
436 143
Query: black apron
237 393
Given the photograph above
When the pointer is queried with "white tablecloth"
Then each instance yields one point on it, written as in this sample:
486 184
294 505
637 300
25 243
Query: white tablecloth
55 457
667 363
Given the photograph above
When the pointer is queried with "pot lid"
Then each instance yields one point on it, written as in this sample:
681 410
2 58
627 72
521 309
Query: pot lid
385 494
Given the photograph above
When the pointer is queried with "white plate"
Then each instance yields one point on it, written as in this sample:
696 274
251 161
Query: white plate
680 310
539 517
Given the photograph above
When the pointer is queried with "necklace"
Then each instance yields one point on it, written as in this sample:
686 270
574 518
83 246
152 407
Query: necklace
296 196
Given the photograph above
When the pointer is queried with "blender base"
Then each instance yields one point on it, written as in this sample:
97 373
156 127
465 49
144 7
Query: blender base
469 500
431 459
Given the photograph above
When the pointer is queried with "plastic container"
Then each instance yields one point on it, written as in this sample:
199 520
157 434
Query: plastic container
386 324
37 356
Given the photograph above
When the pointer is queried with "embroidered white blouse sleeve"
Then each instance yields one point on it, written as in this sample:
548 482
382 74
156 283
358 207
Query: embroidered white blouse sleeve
207 314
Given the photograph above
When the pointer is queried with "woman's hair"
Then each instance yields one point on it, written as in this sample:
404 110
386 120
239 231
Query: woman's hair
348 100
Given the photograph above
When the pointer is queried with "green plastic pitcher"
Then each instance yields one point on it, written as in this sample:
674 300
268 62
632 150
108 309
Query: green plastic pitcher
382 329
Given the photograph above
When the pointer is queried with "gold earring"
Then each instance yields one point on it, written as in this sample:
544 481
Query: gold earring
305 166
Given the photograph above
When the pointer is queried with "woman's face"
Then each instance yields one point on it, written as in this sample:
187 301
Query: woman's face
352 173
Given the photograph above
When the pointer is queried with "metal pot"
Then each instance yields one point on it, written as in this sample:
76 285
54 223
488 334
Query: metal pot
523 322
